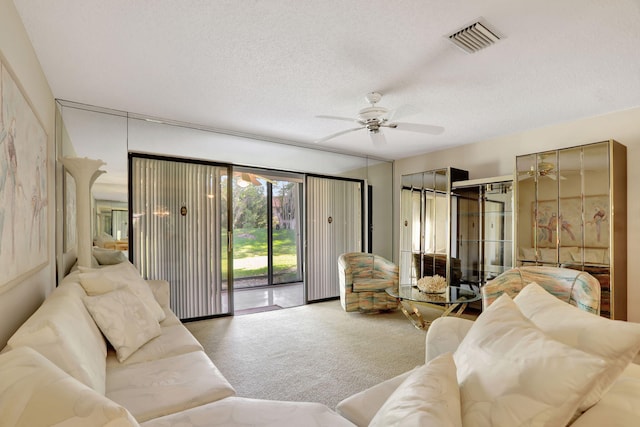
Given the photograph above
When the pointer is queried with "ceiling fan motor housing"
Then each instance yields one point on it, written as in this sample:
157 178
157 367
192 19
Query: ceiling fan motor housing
371 113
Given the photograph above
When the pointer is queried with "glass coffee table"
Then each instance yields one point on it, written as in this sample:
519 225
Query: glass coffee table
454 298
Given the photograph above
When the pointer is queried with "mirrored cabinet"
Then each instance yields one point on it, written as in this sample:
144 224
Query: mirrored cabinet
571 212
482 224
425 226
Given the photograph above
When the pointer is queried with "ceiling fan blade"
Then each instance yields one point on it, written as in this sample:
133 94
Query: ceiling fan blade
378 138
416 127
347 119
403 111
333 135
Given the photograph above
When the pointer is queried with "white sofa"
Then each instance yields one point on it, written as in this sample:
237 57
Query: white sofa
58 368
530 360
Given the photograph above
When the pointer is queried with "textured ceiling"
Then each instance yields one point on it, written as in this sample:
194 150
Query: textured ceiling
270 67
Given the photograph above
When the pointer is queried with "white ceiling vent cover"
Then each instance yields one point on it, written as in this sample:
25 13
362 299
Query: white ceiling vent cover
474 38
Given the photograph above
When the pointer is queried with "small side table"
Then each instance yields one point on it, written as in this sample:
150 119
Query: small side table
454 298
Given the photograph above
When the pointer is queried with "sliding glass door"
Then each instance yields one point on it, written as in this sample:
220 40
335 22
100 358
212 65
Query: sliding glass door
266 238
186 213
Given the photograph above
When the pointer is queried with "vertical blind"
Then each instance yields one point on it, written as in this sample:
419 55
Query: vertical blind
179 231
334 226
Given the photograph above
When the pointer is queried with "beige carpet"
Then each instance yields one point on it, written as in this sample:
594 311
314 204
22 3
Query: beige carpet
315 352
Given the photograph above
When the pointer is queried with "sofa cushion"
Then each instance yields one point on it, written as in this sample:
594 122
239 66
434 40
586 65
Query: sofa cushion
361 407
108 256
34 392
428 397
371 285
63 331
98 281
619 406
161 291
172 341
170 318
592 256
124 319
510 373
615 341
241 411
444 335
160 387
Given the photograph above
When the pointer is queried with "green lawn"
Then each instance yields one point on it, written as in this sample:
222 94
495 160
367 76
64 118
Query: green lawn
250 252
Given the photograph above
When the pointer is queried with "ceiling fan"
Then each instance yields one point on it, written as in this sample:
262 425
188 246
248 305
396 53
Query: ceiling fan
244 179
544 169
374 118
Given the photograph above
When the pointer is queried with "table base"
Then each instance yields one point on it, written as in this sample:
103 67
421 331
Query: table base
416 318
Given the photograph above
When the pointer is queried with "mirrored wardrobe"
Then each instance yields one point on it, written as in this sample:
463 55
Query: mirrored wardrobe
571 211
425 226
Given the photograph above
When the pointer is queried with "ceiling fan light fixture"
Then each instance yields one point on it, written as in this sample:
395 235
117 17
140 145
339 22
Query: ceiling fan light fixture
474 37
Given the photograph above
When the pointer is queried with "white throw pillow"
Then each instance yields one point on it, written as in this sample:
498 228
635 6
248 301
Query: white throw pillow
124 319
36 393
109 278
63 331
427 397
529 253
510 373
108 256
615 341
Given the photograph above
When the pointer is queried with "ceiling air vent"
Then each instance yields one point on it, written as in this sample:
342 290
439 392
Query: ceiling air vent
474 38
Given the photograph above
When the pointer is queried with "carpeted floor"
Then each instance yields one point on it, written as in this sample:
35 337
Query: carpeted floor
315 352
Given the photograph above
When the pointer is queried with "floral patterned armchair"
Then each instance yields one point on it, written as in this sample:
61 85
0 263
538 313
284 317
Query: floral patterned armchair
575 287
363 280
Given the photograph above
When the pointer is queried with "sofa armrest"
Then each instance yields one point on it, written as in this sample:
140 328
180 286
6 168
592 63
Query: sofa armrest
363 406
444 335
160 289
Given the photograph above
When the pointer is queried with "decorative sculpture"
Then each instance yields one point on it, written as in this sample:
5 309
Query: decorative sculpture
84 171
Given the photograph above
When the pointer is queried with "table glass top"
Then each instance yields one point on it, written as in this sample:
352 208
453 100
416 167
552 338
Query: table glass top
453 295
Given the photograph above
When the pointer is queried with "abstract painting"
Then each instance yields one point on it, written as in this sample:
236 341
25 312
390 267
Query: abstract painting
24 237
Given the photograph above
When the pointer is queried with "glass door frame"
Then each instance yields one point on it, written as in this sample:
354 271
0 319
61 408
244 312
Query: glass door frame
268 176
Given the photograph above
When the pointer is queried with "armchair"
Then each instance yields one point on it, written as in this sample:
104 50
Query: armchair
575 287
363 279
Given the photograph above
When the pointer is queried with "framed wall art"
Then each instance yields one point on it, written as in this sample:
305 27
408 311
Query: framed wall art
569 222
24 234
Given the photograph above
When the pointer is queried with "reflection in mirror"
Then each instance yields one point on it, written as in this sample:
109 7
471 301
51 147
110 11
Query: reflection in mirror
569 180
95 133
526 234
425 225
111 227
597 207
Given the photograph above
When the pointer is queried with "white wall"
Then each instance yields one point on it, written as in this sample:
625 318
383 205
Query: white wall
18 302
496 157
